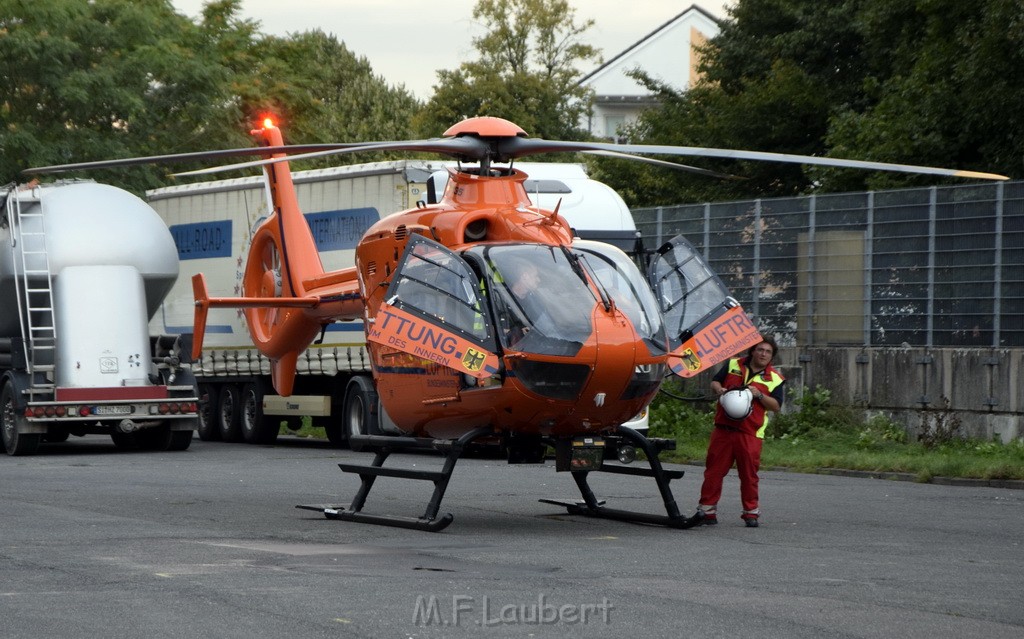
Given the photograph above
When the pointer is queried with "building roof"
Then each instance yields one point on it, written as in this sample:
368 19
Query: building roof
639 43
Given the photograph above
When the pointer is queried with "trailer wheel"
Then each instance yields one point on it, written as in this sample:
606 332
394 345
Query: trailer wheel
11 423
208 426
257 428
360 414
229 407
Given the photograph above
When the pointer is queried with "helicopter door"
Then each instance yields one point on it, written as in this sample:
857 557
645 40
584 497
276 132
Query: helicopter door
433 310
705 325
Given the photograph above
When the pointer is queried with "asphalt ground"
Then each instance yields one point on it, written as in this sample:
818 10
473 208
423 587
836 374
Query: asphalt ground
95 541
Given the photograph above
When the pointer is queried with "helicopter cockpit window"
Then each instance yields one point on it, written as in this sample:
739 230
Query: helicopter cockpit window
541 302
437 284
624 284
686 288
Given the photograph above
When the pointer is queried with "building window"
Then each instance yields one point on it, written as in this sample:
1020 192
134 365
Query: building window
612 124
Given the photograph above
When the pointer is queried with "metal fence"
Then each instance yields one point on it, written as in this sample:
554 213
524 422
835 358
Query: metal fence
939 266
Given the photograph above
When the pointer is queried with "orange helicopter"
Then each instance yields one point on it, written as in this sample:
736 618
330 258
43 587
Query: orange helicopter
486 318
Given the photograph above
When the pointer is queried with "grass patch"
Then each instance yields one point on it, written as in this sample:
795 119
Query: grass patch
306 430
821 435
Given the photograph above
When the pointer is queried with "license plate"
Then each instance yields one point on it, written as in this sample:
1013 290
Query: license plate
582 453
112 410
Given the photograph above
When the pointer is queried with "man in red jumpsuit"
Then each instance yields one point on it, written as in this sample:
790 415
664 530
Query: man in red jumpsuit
739 440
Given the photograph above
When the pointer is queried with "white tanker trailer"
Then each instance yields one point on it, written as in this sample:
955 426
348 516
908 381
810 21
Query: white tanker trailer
83 267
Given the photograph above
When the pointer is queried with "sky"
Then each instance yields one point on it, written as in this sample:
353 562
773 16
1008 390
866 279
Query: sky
407 41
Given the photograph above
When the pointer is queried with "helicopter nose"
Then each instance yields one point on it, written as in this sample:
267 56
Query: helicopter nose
613 365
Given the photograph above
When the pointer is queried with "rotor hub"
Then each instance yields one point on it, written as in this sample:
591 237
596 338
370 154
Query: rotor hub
486 127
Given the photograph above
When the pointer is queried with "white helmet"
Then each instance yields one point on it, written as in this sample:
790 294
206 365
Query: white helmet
737 403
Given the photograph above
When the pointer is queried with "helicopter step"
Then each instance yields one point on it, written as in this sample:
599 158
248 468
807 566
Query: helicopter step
591 506
383 447
640 472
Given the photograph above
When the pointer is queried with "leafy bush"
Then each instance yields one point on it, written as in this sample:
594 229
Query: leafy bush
815 416
820 435
880 432
687 422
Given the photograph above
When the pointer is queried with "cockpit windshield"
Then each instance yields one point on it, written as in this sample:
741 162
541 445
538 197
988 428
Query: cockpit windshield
542 302
624 284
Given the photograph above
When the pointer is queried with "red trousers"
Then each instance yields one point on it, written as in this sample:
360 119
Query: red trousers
726 447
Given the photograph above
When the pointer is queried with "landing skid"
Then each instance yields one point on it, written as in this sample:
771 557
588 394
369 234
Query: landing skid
591 506
383 447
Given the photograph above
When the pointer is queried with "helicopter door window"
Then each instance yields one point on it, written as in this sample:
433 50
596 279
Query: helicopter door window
687 290
439 286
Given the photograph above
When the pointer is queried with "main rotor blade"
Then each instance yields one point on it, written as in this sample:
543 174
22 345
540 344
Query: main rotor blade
466 148
184 157
503 149
666 164
518 147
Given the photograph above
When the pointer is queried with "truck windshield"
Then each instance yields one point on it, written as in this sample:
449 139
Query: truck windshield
541 303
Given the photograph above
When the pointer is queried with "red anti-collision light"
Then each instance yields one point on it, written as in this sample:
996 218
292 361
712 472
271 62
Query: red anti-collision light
84 411
61 411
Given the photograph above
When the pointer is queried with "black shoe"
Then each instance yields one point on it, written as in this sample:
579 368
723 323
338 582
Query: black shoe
751 522
710 520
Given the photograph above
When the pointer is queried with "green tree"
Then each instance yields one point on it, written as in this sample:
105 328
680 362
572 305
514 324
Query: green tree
771 77
945 86
88 80
322 92
526 71
935 82
102 79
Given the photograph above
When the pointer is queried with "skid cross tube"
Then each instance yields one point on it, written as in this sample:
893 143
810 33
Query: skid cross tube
383 447
592 507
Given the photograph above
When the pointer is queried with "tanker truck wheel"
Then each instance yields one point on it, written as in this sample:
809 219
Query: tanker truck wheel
257 428
56 435
124 441
180 440
12 423
155 438
208 426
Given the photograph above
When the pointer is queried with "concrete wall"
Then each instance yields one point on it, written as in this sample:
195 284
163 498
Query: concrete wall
979 388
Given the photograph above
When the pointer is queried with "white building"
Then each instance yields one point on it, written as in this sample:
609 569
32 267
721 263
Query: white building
667 54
